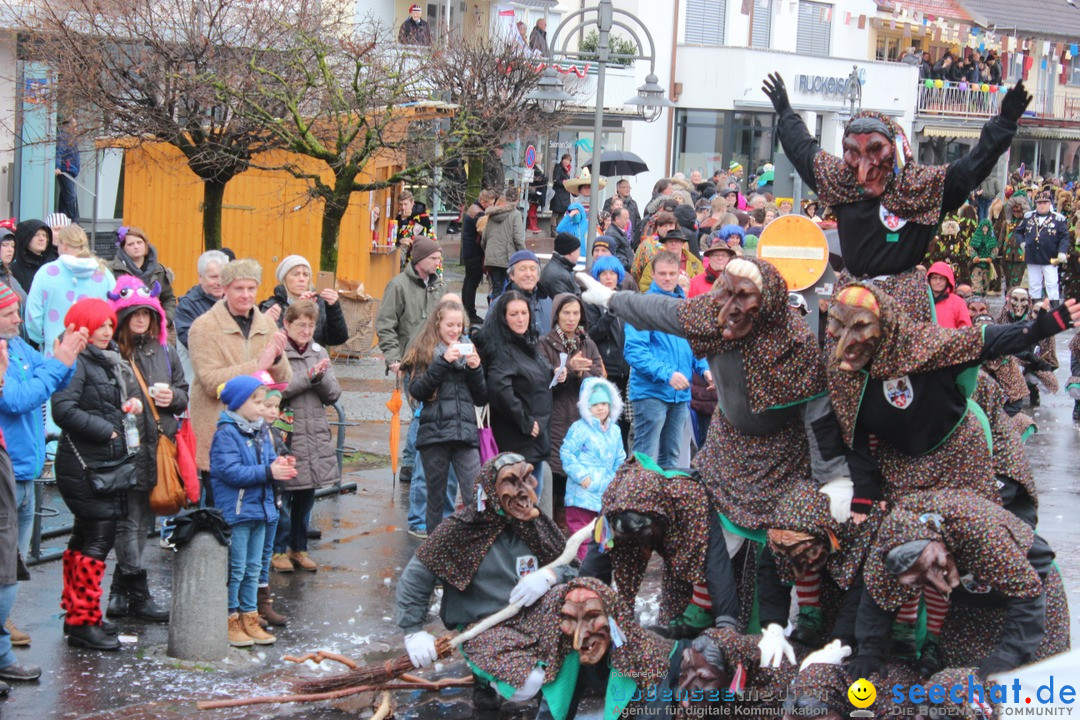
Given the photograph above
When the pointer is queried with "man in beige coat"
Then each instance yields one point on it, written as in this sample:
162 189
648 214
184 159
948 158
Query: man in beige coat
233 338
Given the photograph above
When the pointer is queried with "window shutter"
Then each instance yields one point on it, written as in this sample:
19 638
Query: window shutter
761 32
815 28
705 22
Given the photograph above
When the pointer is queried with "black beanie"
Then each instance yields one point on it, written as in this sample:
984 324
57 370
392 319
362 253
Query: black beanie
565 243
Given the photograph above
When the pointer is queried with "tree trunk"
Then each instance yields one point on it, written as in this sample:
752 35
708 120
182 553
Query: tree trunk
333 212
213 194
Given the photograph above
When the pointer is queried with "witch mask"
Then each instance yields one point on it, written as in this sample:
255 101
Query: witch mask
740 301
806 553
585 619
855 324
515 487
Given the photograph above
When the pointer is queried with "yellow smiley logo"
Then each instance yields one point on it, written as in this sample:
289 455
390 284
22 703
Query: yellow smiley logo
862 693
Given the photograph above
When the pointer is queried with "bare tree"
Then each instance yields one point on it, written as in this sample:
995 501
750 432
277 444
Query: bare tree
347 98
151 71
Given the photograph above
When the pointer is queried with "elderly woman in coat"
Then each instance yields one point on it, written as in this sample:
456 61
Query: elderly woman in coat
312 388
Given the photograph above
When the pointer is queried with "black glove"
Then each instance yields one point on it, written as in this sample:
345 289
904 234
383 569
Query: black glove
1015 102
774 87
863 666
993 666
1051 322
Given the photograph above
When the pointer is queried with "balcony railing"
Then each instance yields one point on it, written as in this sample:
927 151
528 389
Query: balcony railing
950 101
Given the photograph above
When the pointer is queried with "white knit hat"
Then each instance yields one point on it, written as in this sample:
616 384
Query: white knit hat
288 264
57 220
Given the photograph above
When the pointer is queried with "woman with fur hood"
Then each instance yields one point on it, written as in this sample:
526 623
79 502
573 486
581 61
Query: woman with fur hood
591 452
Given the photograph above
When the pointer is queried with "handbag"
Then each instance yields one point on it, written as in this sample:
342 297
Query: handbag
484 434
105 479
168 496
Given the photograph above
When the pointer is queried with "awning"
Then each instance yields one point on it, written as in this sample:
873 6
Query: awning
1048 133
950 132
536 3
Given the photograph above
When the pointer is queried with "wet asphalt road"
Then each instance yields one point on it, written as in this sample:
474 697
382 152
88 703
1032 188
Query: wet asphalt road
347 606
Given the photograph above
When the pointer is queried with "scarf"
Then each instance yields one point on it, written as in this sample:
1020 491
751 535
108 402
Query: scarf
571 343
986 541
914 192
906 347
458 546
509 651
683 503
441 349
780 355
246 426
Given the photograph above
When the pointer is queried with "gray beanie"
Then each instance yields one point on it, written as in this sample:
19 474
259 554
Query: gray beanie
288 264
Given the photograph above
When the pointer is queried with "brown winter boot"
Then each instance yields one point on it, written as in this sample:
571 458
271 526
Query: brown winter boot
237 636
303 560
18 637
281 563
266 609
250 623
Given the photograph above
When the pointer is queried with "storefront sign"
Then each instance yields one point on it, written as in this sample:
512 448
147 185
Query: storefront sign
830 87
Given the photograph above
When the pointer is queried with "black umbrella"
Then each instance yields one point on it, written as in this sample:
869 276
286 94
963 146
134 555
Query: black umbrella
619 162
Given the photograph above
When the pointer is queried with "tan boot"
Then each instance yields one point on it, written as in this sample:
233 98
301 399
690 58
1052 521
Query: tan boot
281 563
303 560
18 637
250 621
237 636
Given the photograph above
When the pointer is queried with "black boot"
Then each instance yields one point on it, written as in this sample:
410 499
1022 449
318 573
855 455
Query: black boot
90 636
118 596
486 700
930 660
1033 392
405 475
1076 411
141 605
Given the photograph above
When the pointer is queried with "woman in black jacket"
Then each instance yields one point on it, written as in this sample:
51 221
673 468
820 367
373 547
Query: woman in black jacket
518 381
560 199
33 248
294 274
89 412
450 384
143 342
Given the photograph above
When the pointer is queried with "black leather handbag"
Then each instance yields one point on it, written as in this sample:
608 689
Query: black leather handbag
108 478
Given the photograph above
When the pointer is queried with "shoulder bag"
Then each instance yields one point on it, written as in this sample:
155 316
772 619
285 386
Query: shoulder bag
168 495
105 479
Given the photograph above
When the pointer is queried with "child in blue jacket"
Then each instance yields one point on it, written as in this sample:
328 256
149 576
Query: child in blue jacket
243 468
591 452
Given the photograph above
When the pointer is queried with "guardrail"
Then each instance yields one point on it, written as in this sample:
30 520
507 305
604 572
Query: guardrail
959 100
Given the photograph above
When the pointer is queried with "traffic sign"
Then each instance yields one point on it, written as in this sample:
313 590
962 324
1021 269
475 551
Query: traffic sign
797 247
530 157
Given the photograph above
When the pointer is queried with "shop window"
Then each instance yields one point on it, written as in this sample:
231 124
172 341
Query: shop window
705 22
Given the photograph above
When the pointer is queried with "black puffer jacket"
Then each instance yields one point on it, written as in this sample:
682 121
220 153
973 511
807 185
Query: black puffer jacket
88 412
330 328
607 331
26 264
157 364
518 377
450 392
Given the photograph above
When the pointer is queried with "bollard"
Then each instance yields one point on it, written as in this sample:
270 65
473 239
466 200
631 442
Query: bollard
198 625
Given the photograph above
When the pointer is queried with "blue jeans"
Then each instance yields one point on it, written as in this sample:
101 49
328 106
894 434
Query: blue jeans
268 551
658 428
7 601
24 501
245 565
418 486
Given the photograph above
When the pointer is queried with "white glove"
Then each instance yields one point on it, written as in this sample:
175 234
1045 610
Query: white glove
832 654
775 647
532 587
421 649
532 685
1062 257
840 492
594 293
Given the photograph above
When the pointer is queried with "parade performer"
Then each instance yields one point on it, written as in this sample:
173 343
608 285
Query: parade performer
1006 370
648 510
485 555
983 250
582 635
1039 360
1012 254
962 546
888 206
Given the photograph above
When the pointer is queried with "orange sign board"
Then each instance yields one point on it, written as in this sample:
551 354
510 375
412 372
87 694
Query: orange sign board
797 247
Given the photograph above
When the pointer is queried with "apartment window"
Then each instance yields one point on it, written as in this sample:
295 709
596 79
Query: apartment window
1074 70
761 23
705 22
815 28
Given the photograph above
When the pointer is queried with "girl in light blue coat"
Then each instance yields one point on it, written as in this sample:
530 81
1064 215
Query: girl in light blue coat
591 452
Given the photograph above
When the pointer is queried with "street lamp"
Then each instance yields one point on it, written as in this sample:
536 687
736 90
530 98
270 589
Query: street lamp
853 96
650 98
549 94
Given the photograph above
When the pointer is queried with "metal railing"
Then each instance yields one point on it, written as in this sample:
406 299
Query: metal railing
43 511
958 100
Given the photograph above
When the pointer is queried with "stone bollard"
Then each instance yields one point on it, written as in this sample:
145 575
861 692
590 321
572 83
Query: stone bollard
198 625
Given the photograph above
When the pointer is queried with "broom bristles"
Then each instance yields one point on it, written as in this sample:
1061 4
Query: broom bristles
367 675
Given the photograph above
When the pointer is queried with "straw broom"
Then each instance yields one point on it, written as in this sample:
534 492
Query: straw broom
374 675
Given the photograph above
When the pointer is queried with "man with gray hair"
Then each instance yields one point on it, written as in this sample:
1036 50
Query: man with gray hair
198 300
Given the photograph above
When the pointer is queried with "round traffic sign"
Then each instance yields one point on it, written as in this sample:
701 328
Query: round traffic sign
530 157
797 247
